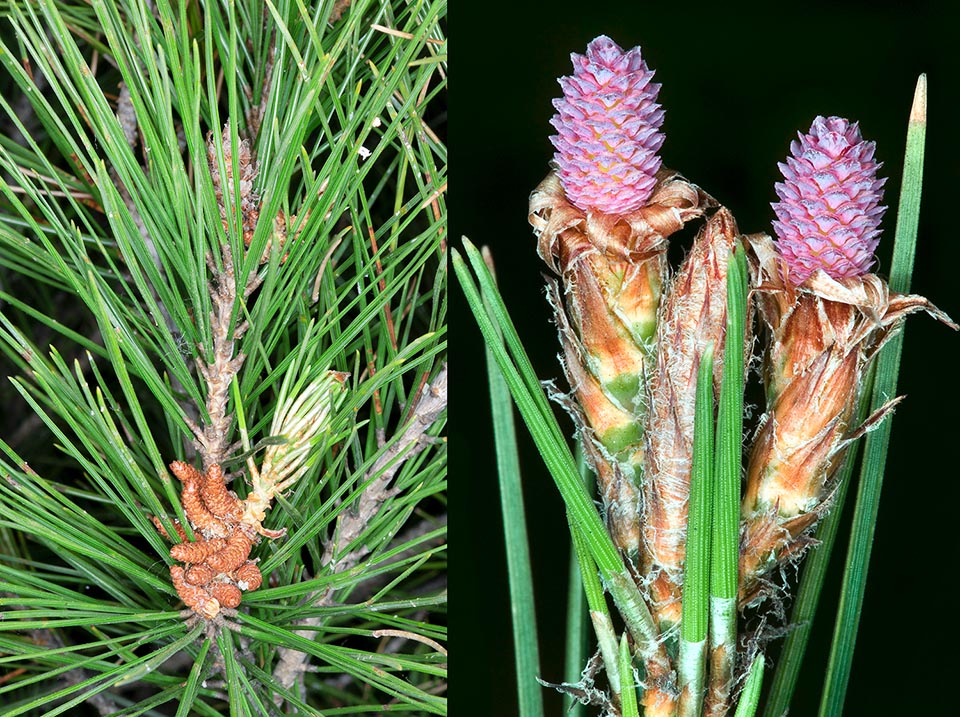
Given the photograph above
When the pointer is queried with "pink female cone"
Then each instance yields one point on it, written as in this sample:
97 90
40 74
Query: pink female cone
602 220
828 216
827 319
608 130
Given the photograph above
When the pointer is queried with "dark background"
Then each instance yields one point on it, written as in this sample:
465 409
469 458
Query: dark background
738 83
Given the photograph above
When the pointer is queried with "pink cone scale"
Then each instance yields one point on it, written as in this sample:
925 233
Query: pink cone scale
608 123
829 212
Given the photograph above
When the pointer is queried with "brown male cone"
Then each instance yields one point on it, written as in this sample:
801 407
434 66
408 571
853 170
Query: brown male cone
693 316
612 271
823 335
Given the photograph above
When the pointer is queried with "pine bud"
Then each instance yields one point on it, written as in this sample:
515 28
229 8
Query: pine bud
612 271
823 336
602 220
693 315
224 186
299 421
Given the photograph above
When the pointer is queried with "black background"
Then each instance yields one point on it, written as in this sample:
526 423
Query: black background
738 83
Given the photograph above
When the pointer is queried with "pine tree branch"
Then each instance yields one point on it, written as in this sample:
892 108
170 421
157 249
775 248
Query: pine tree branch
352 525
219 371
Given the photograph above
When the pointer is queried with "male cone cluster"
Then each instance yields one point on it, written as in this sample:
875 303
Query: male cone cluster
217 566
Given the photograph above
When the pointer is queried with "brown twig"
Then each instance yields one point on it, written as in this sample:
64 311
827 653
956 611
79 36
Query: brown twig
223 363
212 441
407 635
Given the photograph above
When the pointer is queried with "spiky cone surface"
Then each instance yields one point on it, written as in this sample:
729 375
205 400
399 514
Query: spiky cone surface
612 270
828 216
181 533
823 335
608 130
693 316
248 576
227 594
233 554
200 574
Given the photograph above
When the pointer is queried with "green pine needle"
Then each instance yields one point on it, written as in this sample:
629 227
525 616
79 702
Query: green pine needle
493 320
875 446
696 580
519 571
750 696
628 694
726 523
695 599
111 236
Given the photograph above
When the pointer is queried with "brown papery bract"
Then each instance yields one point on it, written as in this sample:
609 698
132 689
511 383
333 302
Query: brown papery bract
692 317
612 269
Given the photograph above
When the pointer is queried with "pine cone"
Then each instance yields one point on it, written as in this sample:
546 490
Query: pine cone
602 221
823 336
829 210
608 123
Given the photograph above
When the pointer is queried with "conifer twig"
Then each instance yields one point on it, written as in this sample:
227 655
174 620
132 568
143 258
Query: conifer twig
224 363
218 371
429 407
